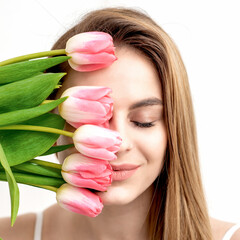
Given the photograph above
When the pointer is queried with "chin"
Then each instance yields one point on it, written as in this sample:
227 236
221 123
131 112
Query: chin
116 196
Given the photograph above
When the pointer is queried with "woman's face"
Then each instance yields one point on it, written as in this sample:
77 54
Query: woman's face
137 116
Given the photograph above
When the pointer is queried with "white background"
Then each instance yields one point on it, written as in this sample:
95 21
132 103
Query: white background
207 33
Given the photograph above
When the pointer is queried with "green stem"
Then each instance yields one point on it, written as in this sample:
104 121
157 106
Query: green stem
33 55
51 188
54 189
58 86
38 129
46 101
46 164
34 179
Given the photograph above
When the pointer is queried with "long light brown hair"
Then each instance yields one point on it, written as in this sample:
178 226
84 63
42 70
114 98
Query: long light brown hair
179 210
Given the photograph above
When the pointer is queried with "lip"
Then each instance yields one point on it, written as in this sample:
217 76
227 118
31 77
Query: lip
124 167
123 171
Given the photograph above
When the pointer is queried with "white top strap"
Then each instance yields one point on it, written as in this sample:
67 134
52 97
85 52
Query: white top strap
231 231
38 226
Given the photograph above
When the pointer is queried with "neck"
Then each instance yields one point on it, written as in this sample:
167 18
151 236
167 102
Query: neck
123 222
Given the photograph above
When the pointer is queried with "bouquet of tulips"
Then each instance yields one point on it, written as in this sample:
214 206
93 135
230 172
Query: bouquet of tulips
29 129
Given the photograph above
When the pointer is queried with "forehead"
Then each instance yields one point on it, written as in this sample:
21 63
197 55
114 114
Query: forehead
132 77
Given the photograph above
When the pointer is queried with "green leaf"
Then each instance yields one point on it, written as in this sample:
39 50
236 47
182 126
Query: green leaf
13 187
18 116
32 179
56 149
22 70
28 93
39 170
23 145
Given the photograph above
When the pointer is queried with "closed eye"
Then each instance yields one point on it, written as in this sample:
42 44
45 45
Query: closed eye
143 125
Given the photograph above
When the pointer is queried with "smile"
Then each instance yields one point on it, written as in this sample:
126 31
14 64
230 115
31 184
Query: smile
124 171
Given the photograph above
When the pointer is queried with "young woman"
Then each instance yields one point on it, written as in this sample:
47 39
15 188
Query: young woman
153 113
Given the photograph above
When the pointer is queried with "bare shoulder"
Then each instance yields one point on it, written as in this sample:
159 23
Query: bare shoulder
23 228
219 229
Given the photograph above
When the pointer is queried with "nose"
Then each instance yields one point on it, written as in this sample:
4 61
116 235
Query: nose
120 125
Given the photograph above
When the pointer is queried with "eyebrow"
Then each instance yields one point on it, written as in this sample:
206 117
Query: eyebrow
146 102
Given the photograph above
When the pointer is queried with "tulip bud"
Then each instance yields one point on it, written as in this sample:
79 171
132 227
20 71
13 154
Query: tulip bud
90 51
97 142
86 105
79 200
81 171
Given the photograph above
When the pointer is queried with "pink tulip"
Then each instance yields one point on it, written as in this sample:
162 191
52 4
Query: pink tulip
97 142
79 200
90 51
81 171
86 105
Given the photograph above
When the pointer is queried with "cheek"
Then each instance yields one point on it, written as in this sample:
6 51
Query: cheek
153 148
153 145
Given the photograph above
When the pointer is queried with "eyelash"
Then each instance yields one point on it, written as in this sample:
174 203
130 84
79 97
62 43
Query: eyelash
143 125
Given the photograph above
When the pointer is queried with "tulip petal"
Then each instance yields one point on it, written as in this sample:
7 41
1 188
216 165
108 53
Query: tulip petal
97 142
88 67
87 58
76 160
90 51
89 92
77 125
85 183
100 153
82 171
84 111
113 149
96 136
89 41
97 45
87 105
79 200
